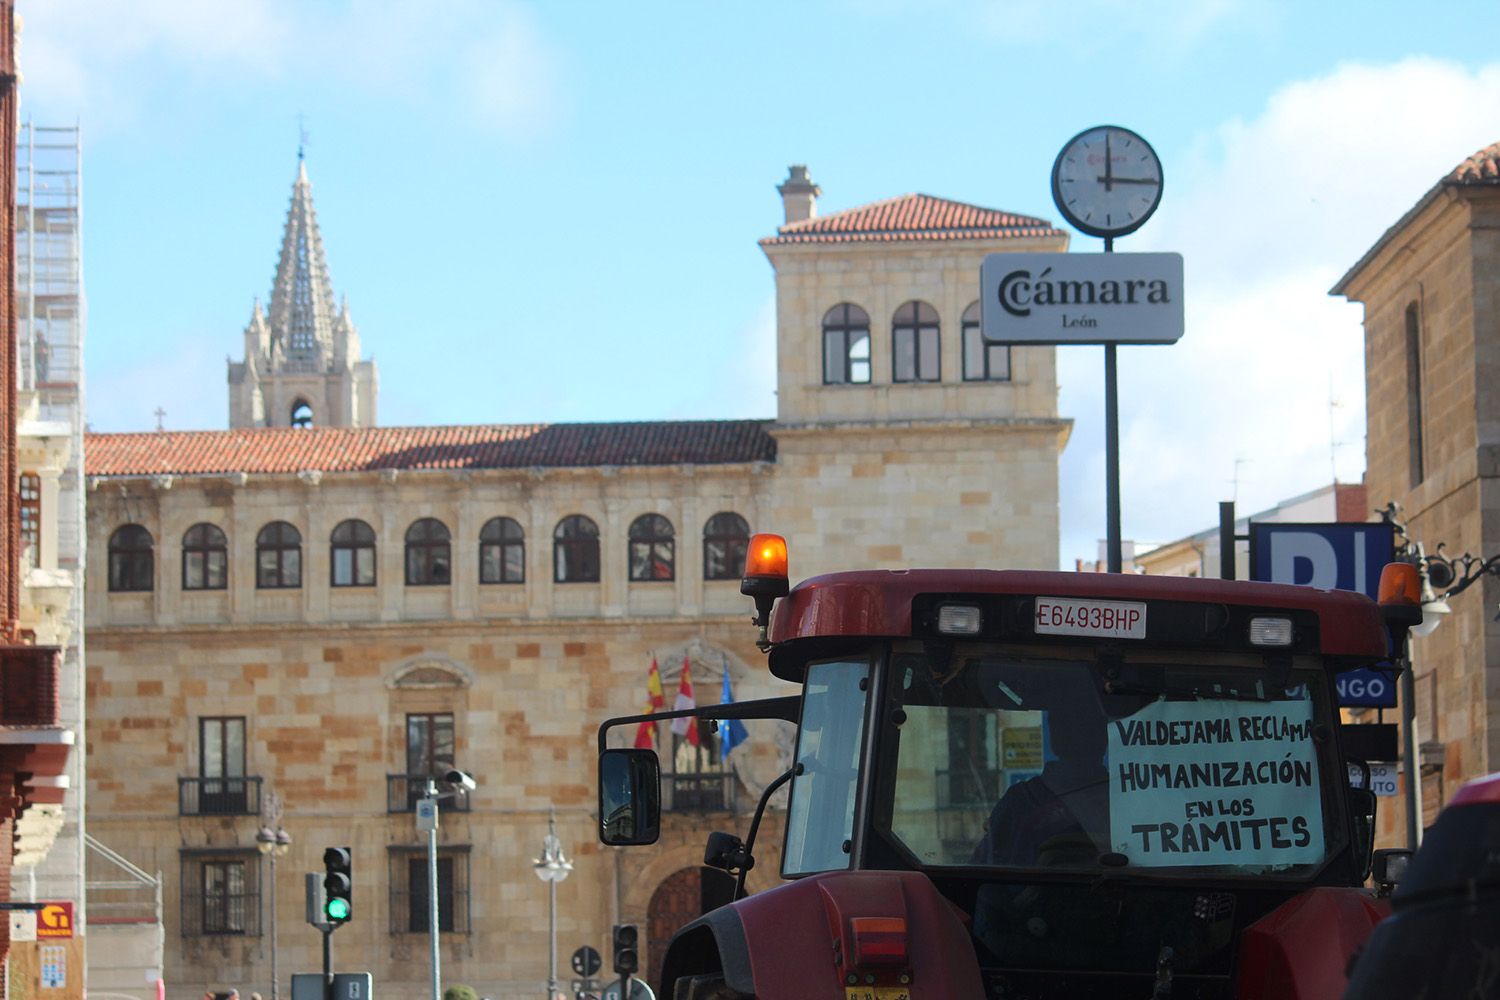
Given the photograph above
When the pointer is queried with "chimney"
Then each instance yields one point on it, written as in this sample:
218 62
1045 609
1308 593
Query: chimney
799 195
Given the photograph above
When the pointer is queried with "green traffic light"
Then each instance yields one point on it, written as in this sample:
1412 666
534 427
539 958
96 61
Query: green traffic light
338 909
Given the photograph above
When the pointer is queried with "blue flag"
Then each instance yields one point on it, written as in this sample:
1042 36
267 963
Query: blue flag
731 731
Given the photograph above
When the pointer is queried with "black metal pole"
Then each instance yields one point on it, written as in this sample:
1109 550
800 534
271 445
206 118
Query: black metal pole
1112 461
328 964
1410 754
1226 540
1112 452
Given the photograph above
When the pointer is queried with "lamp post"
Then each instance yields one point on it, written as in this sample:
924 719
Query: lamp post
552 867
273 842
455 783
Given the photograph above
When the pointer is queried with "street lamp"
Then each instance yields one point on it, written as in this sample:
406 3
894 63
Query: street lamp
552 867
273 842
456 783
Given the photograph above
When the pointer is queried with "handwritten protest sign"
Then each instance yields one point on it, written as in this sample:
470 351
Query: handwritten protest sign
1216 783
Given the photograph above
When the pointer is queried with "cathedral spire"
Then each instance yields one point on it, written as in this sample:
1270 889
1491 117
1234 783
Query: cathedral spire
302 302
302 362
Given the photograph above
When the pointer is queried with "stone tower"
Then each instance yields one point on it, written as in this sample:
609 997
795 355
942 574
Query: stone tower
302 364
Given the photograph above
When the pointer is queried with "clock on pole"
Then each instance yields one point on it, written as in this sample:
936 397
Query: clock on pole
1107 181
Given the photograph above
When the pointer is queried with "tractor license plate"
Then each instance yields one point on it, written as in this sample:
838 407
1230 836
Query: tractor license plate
877 993
1074 616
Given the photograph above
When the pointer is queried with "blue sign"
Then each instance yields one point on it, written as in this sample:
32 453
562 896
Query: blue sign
1333 557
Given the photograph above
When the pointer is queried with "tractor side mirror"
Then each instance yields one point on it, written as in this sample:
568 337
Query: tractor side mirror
1389 868
629 797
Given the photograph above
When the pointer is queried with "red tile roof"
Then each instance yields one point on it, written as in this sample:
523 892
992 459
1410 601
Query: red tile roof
1481 168
911 217
349 449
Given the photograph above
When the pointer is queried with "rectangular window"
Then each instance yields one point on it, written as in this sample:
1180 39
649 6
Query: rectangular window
221 894
221 766
31 519
429 743
1415 454
915 354
354 567
984 362
820 812
410 876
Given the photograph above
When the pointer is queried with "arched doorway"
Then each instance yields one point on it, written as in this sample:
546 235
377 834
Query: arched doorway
683 896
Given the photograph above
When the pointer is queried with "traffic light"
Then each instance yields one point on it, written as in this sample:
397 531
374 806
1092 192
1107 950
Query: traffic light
338 884
627 958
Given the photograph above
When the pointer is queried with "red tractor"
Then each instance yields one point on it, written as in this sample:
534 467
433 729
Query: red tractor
1033 785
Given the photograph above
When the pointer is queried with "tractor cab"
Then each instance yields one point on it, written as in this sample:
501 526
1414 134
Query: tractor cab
1024 784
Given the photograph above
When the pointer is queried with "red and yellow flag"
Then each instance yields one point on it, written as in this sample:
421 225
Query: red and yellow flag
645 733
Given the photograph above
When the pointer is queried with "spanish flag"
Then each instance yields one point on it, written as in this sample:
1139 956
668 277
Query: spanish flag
645 733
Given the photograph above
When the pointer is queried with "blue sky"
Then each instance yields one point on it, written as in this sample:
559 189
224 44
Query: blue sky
550 211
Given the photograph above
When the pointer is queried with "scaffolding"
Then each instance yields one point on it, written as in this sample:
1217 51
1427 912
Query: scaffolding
49 267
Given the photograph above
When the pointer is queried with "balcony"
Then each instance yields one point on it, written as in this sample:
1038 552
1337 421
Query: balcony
698 791
403 790
218 796
28 685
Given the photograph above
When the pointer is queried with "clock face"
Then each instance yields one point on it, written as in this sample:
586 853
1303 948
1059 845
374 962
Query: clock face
1107 181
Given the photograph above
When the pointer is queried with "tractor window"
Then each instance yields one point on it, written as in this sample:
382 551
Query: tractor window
820 815
1201 762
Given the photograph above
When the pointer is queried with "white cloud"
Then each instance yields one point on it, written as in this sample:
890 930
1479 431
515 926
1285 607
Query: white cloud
1268 214
491 58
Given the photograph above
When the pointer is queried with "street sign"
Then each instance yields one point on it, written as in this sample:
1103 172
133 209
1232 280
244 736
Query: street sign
346 985
1081 298
586 962
638 991
1330 556
1382 778
427 814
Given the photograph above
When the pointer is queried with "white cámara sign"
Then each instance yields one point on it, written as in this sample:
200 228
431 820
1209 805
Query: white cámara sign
1081 298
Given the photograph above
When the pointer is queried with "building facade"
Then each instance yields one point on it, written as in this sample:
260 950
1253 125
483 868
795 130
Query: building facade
327 614
1430 287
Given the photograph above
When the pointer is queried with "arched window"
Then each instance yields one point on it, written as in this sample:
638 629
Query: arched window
205 558
914 343
982 362
352 555
502 552
428 553
131 566
278 556
726 537
846 345
575 550
302 414
652 549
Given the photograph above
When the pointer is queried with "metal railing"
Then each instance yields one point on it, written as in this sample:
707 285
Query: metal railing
700 791
403 791
218 796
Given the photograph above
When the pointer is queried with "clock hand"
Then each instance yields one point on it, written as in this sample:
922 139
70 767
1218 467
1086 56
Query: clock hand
1129 180
1109 176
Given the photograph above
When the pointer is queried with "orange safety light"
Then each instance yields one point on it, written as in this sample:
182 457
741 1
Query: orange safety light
1401 593
765 579
765 559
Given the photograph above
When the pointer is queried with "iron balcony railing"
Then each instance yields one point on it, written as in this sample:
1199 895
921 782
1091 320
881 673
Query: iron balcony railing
700 791
218 796
403 791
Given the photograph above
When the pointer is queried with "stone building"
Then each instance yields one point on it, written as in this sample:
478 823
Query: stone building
332 612
1430 287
